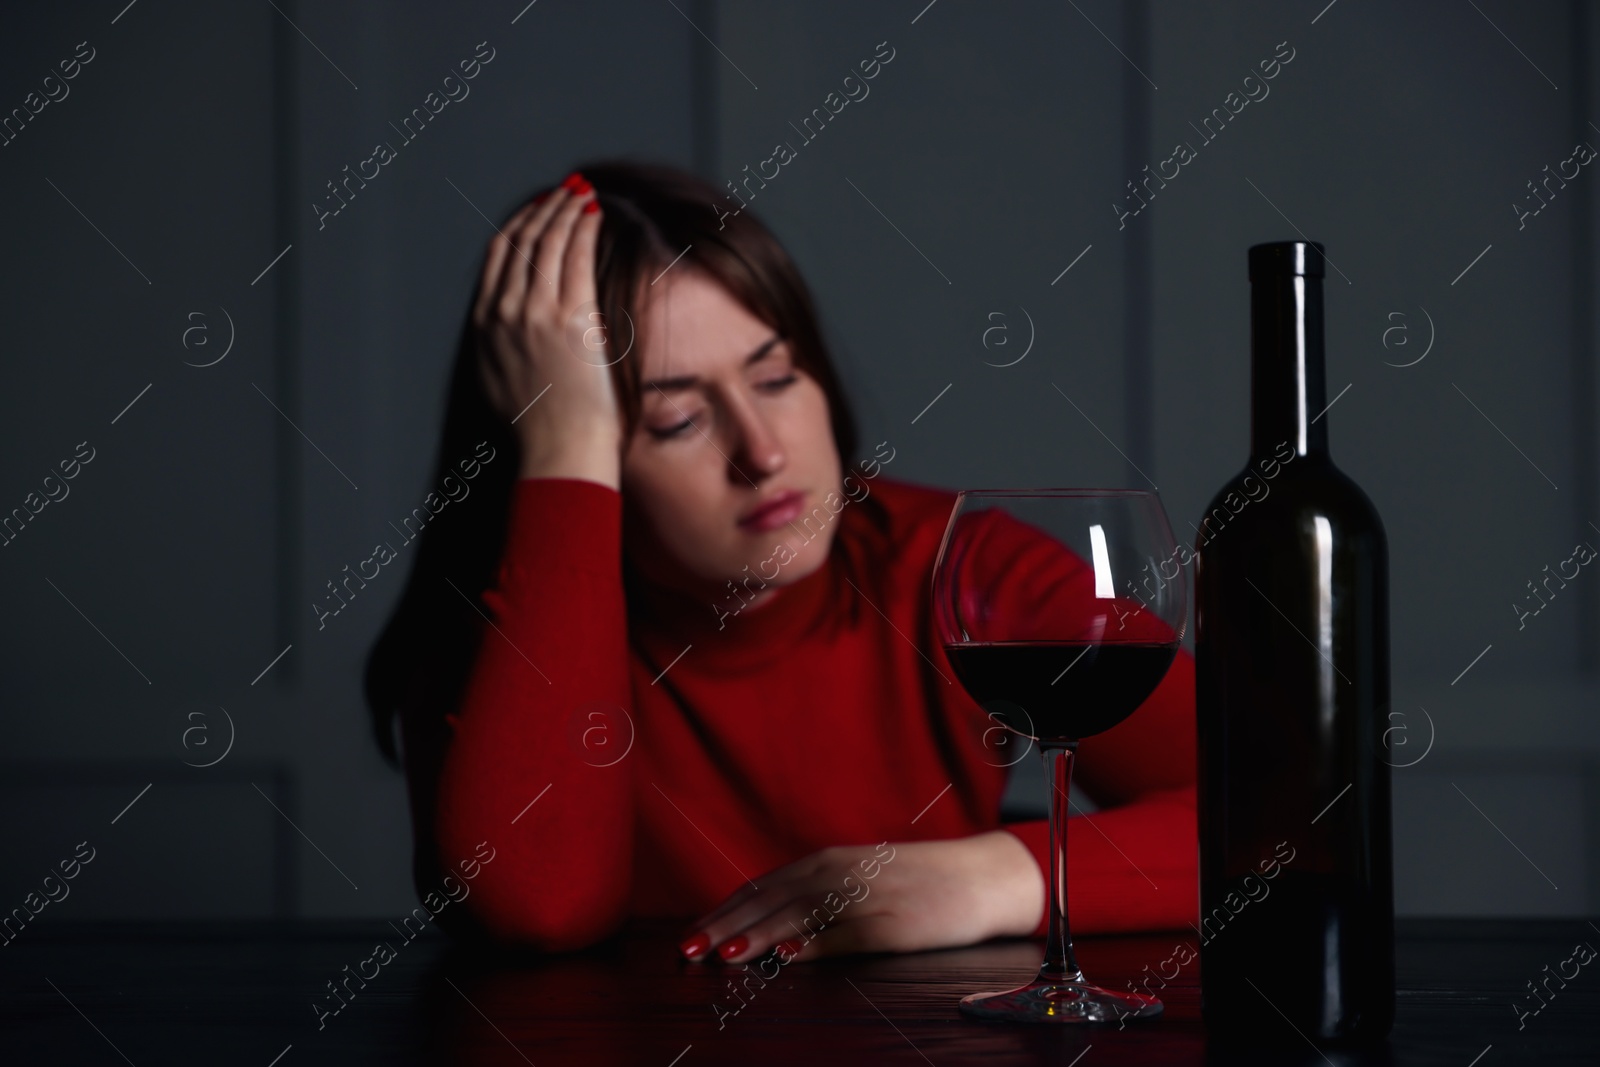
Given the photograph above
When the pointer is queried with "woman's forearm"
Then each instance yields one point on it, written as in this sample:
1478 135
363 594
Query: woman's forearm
519 771
1018 897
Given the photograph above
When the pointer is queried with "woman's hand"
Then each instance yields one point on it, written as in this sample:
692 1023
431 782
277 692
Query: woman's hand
537 326
893 898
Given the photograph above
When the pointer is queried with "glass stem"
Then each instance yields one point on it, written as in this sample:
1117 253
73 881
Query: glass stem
1059 963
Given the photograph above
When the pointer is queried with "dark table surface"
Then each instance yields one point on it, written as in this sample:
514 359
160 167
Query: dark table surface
151 994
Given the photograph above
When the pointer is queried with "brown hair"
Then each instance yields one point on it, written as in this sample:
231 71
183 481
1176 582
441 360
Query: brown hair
650 215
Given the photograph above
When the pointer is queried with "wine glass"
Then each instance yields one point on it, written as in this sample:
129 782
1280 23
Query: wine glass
1060 611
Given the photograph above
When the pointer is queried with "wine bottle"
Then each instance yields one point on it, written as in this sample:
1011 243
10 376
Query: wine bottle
1291 694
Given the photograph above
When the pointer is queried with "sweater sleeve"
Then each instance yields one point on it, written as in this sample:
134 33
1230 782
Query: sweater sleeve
518 779
1133 865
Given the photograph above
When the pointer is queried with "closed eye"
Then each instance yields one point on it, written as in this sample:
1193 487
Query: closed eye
773 385
671 431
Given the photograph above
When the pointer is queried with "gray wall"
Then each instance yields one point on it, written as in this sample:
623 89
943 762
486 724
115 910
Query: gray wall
948 202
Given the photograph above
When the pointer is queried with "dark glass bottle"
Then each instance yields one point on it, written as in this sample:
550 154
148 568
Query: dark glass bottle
1292 695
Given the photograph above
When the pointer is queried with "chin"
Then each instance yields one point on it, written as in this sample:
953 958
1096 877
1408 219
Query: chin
808 557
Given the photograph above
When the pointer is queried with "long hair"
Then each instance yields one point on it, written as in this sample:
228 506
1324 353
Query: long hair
650 215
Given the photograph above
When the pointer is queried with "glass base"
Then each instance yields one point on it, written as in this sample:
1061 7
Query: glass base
1061 1002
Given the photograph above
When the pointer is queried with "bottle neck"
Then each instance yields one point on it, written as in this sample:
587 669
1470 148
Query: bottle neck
1288 394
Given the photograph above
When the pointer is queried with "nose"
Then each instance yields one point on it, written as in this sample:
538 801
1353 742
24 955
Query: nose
757 452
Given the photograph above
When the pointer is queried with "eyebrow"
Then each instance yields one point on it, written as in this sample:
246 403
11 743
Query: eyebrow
689 381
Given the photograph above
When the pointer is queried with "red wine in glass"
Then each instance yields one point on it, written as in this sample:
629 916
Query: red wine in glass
1060 611
1060 690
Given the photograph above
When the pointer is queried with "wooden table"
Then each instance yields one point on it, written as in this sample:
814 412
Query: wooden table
151 994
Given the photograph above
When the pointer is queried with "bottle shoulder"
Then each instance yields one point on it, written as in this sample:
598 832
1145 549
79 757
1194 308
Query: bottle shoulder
1291 497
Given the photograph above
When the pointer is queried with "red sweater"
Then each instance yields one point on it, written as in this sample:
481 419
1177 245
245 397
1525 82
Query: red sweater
623 764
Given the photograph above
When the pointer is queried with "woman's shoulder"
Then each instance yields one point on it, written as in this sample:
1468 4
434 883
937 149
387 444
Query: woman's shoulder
909 524
898 520
912 503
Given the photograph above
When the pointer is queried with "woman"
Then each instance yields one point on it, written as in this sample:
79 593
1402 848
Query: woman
676 658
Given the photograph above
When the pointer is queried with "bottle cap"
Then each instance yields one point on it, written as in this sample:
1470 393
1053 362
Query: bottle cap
1280 259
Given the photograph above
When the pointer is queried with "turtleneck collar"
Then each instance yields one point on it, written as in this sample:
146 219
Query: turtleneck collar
729 631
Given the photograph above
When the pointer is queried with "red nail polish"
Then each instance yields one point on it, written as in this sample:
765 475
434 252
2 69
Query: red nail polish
542 197
582 186
790 948
730 949
591 207
696 945
570 182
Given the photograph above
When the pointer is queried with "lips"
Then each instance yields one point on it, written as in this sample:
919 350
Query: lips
775 512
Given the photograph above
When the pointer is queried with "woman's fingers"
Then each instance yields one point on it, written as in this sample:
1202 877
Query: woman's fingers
739 911
777 886
520 283
553 248
738 897
494 372
816 897
577 269
501 248
779 880
746 927
524 264
808 929
493 263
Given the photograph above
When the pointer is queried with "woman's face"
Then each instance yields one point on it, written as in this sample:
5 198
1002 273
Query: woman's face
727 423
